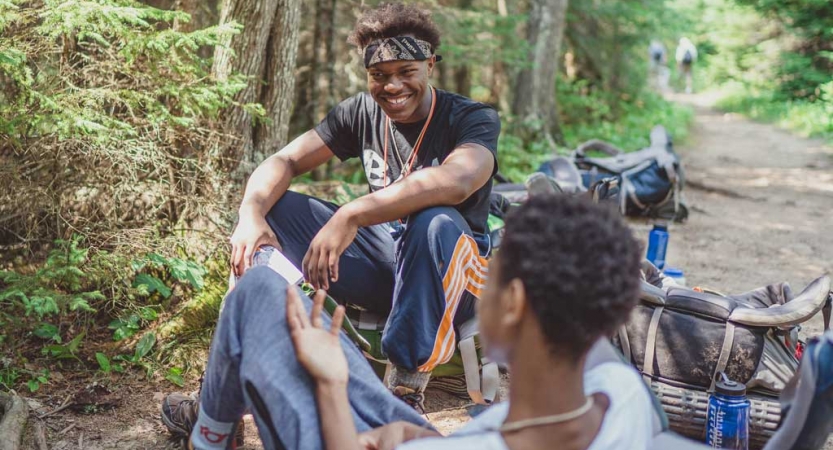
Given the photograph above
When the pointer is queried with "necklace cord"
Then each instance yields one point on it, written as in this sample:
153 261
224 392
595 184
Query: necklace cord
406 171
509 427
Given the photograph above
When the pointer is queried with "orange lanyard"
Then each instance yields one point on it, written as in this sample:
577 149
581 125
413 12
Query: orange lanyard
412 159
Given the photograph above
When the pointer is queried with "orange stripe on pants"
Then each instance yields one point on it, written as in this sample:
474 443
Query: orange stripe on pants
466 272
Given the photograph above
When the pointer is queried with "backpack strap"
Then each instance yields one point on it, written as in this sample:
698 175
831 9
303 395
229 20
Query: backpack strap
625 343
481 390
650 345
723 359
482 375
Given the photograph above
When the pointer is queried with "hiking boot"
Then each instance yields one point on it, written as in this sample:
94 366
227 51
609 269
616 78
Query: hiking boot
179 414
412 397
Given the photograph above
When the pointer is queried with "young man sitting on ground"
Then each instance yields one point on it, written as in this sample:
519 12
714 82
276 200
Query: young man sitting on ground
567 275
413 248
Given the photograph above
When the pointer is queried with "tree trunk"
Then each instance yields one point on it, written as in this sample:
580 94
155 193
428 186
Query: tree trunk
13 414
322 78
264 52
277 94
500 79
535 88
192 7
462 81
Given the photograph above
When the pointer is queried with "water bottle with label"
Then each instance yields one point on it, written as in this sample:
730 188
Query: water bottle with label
657 245
727 420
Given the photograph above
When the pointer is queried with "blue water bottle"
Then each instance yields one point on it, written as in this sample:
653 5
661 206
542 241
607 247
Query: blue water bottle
657 245
727 420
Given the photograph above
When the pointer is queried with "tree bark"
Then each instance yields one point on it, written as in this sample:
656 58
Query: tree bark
277 95
535 88
500 78
13 415
192 7
322 78
265 53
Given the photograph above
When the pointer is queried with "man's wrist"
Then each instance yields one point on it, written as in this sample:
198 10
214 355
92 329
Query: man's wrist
349 214
330 388
250 209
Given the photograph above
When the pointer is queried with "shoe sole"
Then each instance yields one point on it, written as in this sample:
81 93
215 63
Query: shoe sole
174 429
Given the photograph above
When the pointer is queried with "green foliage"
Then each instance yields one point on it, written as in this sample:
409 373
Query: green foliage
126 292
808 118
589 115
56 288
586 113
609 41
174 375
135 78
109 119
67 351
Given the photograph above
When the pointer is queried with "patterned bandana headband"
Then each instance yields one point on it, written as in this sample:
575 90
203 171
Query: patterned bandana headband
399 48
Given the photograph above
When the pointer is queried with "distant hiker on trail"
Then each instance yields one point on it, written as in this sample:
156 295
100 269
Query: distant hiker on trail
658 69
308 386
686 56
414 248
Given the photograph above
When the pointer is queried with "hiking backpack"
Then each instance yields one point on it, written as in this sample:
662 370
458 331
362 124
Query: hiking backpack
688 58
681 338
645 183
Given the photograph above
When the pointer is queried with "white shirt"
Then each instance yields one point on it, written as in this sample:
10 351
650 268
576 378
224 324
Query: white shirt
685 45
627 424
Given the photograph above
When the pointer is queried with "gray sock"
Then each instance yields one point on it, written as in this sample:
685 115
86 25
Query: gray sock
210 434
412 380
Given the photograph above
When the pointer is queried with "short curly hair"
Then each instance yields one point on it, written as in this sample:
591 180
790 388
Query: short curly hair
579 264
395 19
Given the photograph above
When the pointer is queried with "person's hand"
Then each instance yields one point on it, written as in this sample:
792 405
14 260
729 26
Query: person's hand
388 437
318 349
382 438
321 261
251 232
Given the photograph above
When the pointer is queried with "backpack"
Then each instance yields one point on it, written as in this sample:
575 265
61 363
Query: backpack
645 183
688 58
681 338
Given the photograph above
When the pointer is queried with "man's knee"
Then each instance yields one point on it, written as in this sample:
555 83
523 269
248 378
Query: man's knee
290 201
435 222
259 287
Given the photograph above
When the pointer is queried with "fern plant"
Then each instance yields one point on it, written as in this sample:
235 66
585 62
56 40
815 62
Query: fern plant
53 289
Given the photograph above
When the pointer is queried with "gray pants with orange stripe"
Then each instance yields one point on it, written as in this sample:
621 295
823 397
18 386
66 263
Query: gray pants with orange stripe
425 276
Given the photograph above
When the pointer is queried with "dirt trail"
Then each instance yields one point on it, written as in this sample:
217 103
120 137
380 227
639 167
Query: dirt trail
760 201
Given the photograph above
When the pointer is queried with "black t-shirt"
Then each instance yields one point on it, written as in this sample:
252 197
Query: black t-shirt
356 128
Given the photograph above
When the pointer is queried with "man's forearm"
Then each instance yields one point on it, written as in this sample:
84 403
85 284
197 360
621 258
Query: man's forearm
433 186
337 427
266 186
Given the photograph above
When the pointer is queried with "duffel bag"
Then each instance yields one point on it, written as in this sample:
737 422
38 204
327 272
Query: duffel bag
680 338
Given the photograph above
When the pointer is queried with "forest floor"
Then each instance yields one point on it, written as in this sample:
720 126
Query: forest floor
759 200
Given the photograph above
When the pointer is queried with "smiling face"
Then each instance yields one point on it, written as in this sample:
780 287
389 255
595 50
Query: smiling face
401 88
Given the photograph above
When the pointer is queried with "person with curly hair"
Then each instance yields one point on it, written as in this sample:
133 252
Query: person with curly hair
413 249
566 277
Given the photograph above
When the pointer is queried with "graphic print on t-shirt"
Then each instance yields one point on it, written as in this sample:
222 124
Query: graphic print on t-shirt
374 168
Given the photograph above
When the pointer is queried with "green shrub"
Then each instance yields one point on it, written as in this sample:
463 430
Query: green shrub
107 119
586 114
808 118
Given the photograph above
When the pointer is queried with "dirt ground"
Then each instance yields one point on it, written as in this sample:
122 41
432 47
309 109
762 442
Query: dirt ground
759 200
